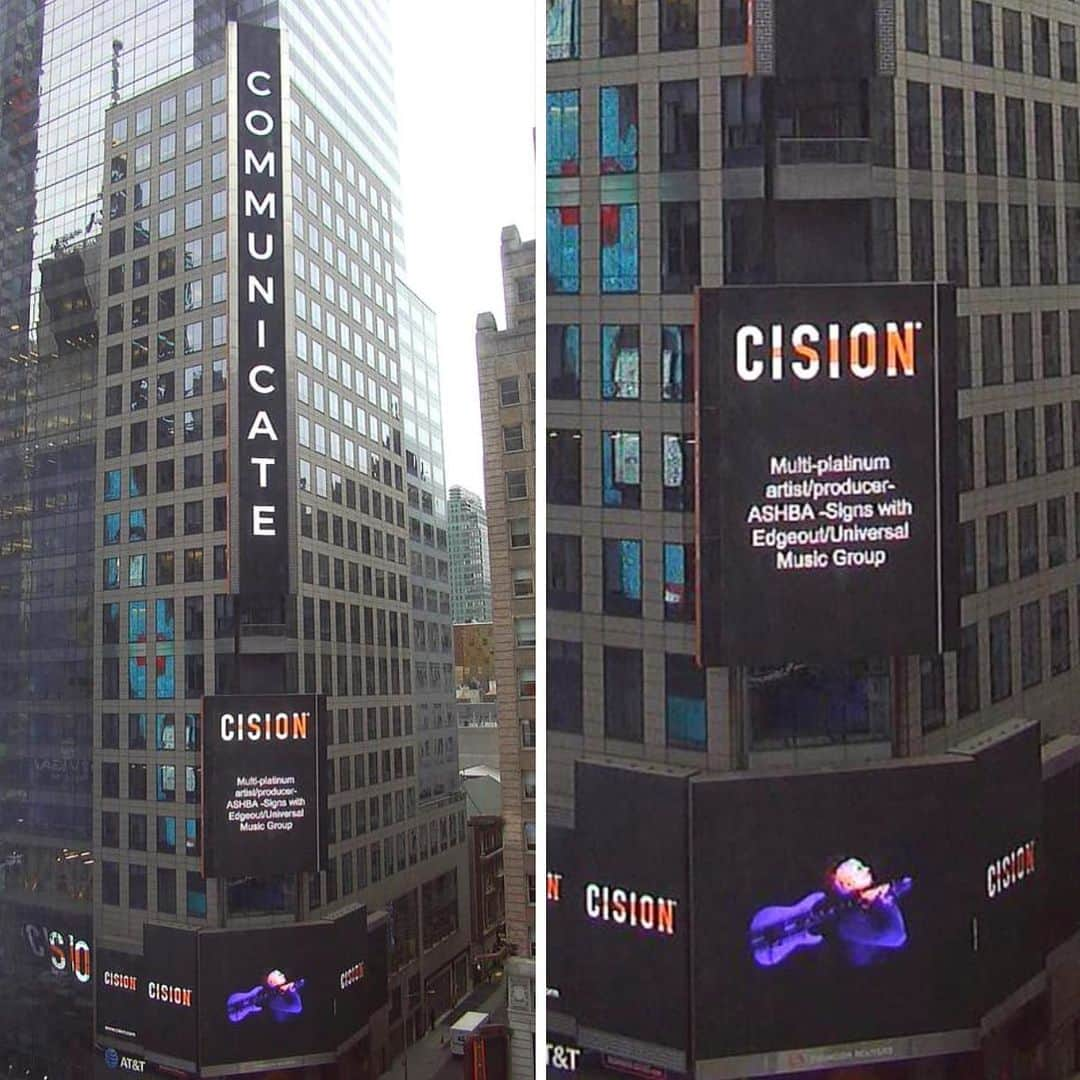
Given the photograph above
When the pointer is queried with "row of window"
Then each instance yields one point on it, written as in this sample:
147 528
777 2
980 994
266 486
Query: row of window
143 120
959 108
1024 423
164 729
620 454
165 781
685 712
1030 526
192 431
1002 660
165 568
620 372
141 191
622 581
166 900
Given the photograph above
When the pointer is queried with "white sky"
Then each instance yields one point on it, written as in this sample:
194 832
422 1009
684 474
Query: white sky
465 75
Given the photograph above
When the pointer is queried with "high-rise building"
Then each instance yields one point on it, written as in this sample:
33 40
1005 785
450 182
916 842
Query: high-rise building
470 557
122 535
721 143
429 547
506 362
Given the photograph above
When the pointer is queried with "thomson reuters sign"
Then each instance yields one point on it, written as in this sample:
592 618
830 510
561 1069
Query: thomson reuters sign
1010 870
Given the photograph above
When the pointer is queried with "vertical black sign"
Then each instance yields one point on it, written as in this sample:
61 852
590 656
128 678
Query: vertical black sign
120 994
827 491
261 441
170 977
264 801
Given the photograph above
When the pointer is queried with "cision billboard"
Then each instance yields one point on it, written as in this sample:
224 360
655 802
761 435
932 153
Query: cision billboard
264 791
832 908
827 491
624 902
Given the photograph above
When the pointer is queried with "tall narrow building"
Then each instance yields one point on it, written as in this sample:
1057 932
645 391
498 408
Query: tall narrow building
804 165
470 557
506 361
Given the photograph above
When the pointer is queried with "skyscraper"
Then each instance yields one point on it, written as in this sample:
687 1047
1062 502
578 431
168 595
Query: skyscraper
718 143
506 364
470 557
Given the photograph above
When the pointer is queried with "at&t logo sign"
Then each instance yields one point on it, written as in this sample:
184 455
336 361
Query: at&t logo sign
115 1060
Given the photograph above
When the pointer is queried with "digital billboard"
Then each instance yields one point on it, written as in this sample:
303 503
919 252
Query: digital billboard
1007 843
626 902
1061 840
563 916
169 994
118 1003
832 907
260 439
827 496
264 795
283 994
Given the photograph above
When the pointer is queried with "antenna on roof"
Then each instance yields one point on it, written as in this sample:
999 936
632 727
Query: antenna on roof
117 49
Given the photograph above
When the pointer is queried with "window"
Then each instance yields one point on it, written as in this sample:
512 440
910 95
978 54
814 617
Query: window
918 107
678 473
1060 633
1048 255
922 239
620 363
994 448
622 577
618 129
621 460
1000 657
968 569
619 248
742 116
986 133
956 253
915 21
623 697
618 27
517 486
1020 249
564 467
966 469
982 32
684 703
997 547
967 671
1027 519
563 133
1030 644
679 125
952 129
564 362
1044 141
509 391
680 246
564 682
1054 437
563 249
951 29
989 248
1040 46
1056 531
564 572
733 22
563 29
678 24
1013 35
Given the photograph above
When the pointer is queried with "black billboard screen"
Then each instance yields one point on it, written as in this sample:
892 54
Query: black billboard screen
1061 851
262 397
119 996
827 493
832 908
273 995
627 907
170 979
264 801
1008 846
564 917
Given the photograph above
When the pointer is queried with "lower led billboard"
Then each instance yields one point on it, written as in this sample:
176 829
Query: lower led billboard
264 802
564 889
832 908
1061 842
626 905
118 1001
170 994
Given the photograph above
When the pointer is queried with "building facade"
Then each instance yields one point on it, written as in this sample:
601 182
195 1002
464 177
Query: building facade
470 557
714 143
506 362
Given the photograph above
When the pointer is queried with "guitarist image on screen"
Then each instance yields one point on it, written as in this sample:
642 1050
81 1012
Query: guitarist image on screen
863 918
275 994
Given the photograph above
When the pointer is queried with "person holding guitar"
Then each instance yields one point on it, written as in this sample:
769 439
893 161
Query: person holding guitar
276 993
863 917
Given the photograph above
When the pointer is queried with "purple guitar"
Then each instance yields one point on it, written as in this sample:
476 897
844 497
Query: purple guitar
866 918
275 993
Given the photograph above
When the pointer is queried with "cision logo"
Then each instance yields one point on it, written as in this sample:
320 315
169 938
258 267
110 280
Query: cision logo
806 353
66 953
1011 869
627 907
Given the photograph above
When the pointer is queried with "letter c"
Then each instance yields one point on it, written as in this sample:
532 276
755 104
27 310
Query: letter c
592 907
253 379
747 369
253 88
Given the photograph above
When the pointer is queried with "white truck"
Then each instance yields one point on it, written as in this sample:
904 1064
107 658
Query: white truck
464 1026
